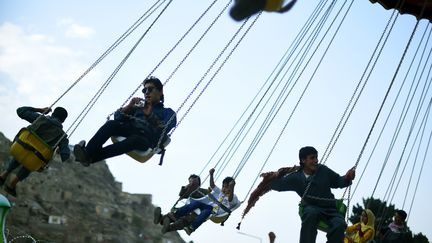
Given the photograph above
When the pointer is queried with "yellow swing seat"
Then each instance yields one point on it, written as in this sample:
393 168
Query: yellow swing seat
216 218
140 155
322 225
273 5
222 217
30 150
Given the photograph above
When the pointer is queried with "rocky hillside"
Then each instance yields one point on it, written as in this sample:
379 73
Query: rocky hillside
71 203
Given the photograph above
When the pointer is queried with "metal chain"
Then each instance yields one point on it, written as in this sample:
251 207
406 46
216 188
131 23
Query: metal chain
172 49
23 237
199 40
111 48
105 85
217 71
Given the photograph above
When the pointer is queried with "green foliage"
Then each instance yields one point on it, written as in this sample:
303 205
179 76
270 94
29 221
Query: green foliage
420 238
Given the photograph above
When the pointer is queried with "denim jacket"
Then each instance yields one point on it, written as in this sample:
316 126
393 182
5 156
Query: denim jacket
151 125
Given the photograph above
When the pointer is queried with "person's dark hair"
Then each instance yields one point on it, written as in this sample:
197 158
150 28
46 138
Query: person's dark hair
157 83
305 151
402 214
227 180
193 176
60 113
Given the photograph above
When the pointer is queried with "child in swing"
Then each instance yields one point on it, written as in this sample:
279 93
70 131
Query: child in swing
212 204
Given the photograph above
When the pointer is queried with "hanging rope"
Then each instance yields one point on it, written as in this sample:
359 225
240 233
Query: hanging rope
289 53
304 90
412 170
217 70
392 108
116 43
420 173
283 95
283 91
93 100
260 191
413 122
420 130
178 66
391 184
344 119
275 72
176 45
112 47
381 106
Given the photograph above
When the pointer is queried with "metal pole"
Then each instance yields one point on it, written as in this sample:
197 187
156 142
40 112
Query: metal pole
252 236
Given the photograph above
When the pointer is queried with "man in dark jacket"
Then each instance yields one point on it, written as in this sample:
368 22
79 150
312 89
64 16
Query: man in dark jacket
313 183
49 128
142 122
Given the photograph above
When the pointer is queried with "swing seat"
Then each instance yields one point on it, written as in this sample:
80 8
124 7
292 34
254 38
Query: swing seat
322 225
140 155
224 216
30 150
218 218
273 5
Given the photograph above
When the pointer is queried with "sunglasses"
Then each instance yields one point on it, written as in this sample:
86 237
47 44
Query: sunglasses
148 89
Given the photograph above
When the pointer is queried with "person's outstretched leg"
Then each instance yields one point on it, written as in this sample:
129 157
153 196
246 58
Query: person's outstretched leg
205 212
337 229
110 128
131 142
310 219
13 164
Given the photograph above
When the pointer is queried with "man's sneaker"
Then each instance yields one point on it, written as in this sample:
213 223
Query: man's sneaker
165 225
189 230
81 154
11 191
171 217
157 215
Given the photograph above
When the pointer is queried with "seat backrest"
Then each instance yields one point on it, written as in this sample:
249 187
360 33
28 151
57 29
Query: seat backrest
30 150
273 5
322 225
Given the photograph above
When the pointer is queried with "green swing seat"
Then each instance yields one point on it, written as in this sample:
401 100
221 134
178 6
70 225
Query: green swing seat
322 225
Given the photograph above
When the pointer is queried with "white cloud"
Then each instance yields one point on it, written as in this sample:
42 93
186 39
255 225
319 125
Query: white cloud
78 31
74 30
33 61
34 70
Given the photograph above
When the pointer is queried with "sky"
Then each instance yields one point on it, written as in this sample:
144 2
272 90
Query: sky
46 45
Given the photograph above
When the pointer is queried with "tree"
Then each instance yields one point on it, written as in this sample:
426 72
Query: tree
420 238
383 216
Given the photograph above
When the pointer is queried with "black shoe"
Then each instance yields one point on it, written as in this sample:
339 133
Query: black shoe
189 230
2 181
11 191
81 155
157 215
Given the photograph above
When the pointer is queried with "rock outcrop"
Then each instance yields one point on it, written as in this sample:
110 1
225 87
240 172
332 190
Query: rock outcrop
71 203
